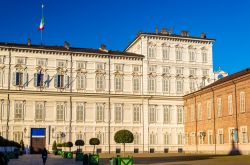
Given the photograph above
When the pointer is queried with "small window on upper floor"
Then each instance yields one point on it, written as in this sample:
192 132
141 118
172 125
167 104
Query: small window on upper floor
152 52
205 72
165 69
81 65
1 59
192 71
191 55
61 63
179 71
152 68
204 57
41 62
100 66
136 68
118 67
178 54
20 60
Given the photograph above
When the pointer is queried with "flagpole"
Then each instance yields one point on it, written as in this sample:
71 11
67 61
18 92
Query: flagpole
42 29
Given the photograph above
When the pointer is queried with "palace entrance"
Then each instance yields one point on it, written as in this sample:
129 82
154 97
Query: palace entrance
38 140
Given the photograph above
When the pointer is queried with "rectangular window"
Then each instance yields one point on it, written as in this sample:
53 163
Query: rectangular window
18 78
192 71
118 83
209 109
192 85
17 136
165 70
244 137
178 53
152 68
152 139
39 111
41 62
230 104
100 66
193 138
61 63
100 137
60 108
151 84
192 113
39 79
61 81
242 102
118 67
80 112
166 138
100 80
220 136
204 57
1 77
165 53
18 113
136 84
179 86
118 113
136 68
136 138
80 65
210 137
99 112
191 55
81 81
179 114
205 72
151 52
20 61
152 114
136 113
219 108
165 85
166 114
179 139
199 109
179 71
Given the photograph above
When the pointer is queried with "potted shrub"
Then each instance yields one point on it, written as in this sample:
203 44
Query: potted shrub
69 154
94 158
54 148
123 137
59 148
79 154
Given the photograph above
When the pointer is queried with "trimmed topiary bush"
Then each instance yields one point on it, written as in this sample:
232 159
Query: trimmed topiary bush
79 143
124 136
94 142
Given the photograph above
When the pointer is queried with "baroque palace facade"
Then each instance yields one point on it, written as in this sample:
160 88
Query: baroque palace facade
61 93
217 119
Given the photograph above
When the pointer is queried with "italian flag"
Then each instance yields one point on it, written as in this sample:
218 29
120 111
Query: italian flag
41 26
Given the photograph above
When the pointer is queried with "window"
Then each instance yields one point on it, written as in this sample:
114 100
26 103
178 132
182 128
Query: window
81 82
152 114
201 137
100 137
61 64
99 112
165 85
17 136
242 102
192 71
136 84
179 71
19 106
193 138
166 114
2 59
165 53
80 65
118 83
39 111
179 139
152 68
100 66
39 79
136 138
61 81
136 113
166 138
41 62
192 113
136 68
209 109
19 79
60 106
152 139
192 84
220 136
1 77
100 80
118 67
178 54
210 137
219 109
204 57
165 70
191 55
231 132
179 114
244 137
205 72
179 86
151 52
80 112
151 84
20 61
230 104
118 113
199 109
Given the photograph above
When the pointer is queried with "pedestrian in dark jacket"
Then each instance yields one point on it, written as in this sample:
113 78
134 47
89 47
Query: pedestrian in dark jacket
44 156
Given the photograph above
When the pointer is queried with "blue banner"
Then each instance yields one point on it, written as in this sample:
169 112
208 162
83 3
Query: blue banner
38 132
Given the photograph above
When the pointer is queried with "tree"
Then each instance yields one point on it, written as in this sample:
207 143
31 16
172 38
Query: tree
69 144
94 142
79 143
124 136
54 146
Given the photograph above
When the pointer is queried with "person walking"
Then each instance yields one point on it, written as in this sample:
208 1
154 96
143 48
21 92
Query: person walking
44 156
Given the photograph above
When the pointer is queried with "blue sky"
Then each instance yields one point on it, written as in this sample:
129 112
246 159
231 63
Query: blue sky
89 23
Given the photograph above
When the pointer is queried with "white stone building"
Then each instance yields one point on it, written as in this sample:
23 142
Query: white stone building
79 93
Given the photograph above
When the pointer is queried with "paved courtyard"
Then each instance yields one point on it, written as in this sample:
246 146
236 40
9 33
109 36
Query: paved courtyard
143 159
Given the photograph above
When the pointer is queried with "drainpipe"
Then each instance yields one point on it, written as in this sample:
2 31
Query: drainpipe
215 141
196 133
70 99
8 100
142 93
236 115
109 106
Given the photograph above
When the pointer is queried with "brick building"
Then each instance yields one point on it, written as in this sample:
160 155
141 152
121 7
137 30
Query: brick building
216 116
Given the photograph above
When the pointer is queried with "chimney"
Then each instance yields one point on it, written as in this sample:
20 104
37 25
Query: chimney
66 44
156 30
103 48
29 42
164 31
184 33
203 35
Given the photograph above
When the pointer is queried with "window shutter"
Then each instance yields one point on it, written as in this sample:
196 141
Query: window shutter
35 79
78 82
26 79
56 81
14 83
47 80
66 81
